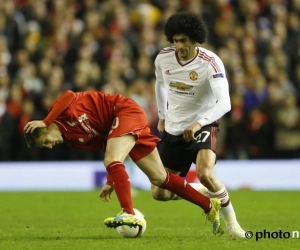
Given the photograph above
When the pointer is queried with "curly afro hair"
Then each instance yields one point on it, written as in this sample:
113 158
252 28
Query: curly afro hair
187 23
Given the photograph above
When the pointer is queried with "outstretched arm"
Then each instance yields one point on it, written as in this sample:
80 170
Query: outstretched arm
105 193
61 104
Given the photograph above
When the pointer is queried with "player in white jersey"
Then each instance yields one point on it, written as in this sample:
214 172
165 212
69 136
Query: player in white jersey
192 94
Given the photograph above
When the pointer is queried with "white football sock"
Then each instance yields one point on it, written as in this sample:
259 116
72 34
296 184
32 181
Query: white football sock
227 212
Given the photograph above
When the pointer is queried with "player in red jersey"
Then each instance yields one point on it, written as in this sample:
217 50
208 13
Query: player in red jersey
118 126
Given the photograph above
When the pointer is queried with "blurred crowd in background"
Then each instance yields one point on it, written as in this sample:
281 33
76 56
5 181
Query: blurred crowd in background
49 46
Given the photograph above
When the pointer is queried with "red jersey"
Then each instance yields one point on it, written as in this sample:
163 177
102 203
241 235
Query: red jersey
88 119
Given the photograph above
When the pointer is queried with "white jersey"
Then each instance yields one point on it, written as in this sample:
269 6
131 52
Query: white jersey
195 91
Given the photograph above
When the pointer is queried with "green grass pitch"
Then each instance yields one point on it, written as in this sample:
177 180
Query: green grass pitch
74 220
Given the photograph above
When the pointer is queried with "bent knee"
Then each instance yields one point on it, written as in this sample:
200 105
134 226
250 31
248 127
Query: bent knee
156 181
203 177
160 194
207 179
160 197
204 174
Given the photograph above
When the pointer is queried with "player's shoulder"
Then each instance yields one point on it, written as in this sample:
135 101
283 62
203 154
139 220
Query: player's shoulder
209 56
167 51
206 54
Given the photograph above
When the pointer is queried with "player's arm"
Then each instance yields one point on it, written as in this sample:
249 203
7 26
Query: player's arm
161 97
222 106
107 189
61 104
220 89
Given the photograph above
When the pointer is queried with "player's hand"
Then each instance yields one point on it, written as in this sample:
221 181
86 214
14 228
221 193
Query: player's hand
32 125
189 132
161 126
105 193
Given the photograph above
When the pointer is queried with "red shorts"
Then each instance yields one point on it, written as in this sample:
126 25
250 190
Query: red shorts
130 118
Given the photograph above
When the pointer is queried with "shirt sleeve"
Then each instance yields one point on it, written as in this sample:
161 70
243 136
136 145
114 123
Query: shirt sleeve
60 105
160 92
220 88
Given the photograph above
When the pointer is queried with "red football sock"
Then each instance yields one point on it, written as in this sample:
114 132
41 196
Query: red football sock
179 186
121 184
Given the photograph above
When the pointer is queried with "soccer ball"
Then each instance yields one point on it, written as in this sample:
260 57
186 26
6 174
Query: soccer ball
133 232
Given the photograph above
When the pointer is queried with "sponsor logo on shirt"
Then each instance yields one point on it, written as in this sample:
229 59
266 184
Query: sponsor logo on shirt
82 118
180 86
85 124
219 75
72 124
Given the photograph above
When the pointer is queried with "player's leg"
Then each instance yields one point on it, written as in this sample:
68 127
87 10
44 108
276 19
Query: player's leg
205 171
200 188
175 160
161 194
129 126
205 158
117 149
129 119
152 166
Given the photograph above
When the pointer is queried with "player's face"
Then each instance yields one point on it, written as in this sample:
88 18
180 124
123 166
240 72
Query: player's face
186 49
49 139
